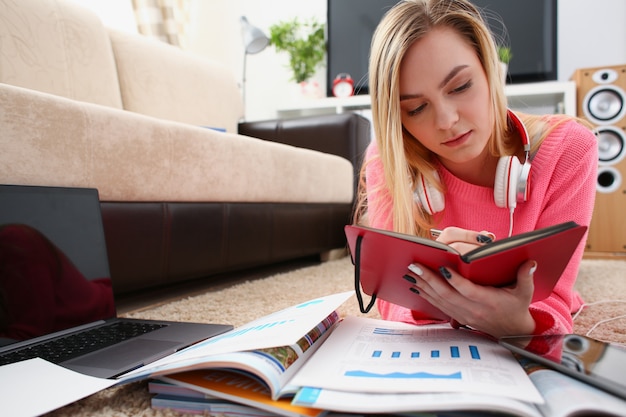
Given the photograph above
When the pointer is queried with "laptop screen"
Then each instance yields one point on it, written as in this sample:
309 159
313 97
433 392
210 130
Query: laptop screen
54 271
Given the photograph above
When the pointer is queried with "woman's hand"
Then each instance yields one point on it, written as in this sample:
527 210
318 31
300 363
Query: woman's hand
464 240
496 311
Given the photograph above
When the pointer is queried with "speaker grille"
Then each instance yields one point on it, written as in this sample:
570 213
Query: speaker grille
602 101
611 149
604 104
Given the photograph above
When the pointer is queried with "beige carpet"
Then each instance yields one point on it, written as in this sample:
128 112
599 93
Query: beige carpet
599 280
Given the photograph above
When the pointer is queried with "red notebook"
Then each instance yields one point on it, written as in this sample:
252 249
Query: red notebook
381 259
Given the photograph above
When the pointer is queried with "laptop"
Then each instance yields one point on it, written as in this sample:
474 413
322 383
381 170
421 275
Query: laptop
54 274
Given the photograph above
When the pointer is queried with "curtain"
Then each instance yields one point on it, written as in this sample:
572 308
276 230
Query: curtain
166 20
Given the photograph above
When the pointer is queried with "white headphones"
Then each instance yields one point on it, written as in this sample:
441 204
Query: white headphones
512 183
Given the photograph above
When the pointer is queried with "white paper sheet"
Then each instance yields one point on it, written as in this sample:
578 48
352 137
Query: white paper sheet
35 387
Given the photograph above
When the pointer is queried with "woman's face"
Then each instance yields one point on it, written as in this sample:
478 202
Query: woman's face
445 100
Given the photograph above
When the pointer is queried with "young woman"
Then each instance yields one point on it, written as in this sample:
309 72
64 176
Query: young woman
449 155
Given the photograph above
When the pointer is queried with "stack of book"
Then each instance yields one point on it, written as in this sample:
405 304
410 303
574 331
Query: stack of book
224 393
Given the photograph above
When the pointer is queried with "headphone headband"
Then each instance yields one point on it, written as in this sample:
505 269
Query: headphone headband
519 127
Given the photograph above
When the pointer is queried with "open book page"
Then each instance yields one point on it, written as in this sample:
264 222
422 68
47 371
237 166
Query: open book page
422 402
486 250
369 355
410 238
565 396
521 239
283 328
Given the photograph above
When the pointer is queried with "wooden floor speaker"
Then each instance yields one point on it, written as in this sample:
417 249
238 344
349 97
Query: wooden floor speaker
601 99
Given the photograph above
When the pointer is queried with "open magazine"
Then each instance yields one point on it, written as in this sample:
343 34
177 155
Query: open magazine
563 397
272 348
360 364
556 391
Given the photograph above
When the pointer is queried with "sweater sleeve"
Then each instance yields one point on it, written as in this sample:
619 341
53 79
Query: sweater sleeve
567 162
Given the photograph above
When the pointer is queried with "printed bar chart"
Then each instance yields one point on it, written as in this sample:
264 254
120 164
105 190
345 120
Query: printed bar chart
455 353
376 356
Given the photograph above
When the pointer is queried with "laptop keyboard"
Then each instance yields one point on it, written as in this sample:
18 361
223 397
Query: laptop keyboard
71 346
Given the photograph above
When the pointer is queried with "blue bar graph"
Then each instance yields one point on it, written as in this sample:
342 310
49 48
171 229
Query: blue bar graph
474 352
454 352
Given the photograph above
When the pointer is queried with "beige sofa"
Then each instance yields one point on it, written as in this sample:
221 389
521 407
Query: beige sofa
85 106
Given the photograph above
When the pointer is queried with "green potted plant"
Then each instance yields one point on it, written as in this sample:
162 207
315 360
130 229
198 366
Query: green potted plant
304 42
505 55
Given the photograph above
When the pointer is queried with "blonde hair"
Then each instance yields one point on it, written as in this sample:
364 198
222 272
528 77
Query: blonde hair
402 156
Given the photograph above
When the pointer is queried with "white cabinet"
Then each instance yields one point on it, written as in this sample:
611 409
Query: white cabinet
538 98
543 98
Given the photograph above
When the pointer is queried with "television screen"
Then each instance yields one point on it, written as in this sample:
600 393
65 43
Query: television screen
529 27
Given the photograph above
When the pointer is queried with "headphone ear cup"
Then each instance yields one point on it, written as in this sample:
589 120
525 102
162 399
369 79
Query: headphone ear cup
427 196
523 185
508 173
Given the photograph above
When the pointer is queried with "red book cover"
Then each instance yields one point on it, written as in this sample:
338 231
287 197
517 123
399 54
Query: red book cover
381 260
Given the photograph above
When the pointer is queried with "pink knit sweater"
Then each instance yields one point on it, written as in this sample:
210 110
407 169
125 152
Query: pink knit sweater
562 188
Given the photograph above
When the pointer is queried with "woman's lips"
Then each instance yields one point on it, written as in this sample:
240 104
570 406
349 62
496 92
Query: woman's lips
458 140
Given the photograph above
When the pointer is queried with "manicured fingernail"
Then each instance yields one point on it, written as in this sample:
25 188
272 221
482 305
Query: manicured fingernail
444 271
484 239
414 290
410 279
416 270
533 268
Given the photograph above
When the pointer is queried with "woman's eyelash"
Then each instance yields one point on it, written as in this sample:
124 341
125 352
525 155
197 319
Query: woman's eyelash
416 110
459 89
463 87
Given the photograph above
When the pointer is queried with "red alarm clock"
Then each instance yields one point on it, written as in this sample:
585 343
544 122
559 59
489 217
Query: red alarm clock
343 85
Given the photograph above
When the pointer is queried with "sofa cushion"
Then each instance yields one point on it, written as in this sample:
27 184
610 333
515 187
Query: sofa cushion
59 48
161 80
50 140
